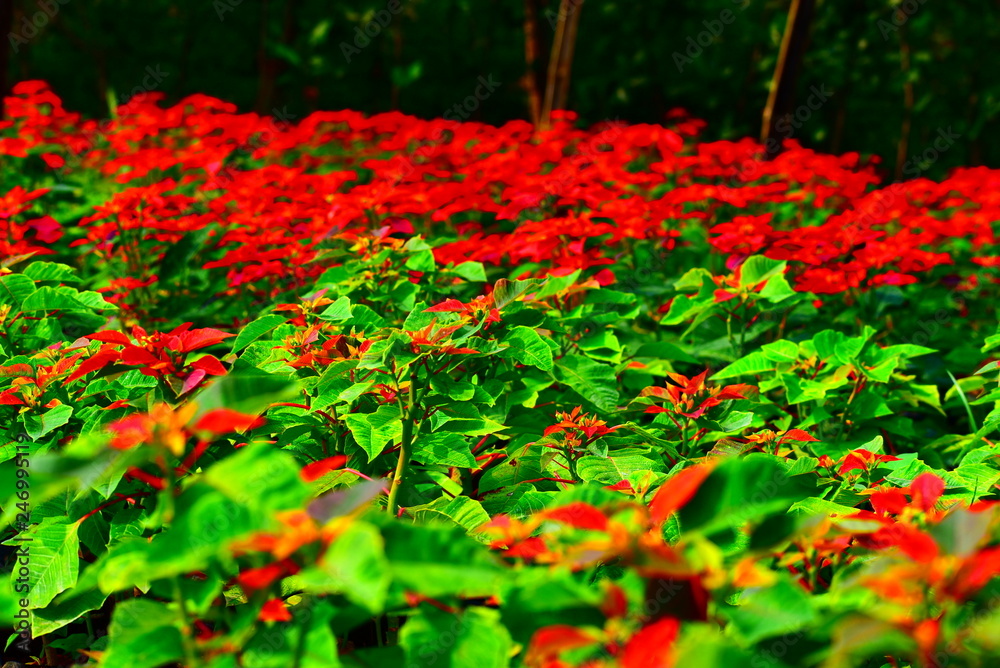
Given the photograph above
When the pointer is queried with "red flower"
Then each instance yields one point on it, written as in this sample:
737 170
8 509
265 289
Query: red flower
888 500
316 470
275 610
580 515
677 491
550 642
685 394
589 425
261 578
224 420
925 490
162 355
651 646
862 460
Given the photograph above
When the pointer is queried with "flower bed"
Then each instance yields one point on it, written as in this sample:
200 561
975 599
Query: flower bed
382 391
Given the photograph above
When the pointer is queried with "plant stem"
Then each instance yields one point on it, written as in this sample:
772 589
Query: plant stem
405 449
187 640
300 646
729 332
965 402
858 384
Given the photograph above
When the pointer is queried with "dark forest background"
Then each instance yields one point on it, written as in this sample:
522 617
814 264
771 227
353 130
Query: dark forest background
898 75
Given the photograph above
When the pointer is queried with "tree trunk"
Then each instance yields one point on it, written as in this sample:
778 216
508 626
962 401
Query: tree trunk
566 56
561 59
532 47
781 101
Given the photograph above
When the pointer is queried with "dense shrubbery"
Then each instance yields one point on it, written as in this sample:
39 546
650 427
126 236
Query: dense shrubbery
382 391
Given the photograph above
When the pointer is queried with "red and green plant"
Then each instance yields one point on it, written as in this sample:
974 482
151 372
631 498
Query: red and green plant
384 391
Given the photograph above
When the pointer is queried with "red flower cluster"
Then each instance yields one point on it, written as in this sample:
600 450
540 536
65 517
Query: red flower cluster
158 354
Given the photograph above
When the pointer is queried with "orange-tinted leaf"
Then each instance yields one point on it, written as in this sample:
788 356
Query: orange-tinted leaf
526 549
20 369
551 641
798 435
98 361
201 338
580 515
651 646
210 364
137 355
890 500
615 603
916 544
224 420
317 470
110 336
8 398
275 610
677 491
260 578
723 295
447 306
925 490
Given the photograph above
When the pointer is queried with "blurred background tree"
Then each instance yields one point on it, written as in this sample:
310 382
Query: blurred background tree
895 75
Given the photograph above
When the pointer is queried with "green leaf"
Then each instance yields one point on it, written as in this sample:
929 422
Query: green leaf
826 342
555 284
684 307
767 612
307 641
907 350
337 311
246 389
752 364
471 271
55 564
255 330
759 268
743 490
695 278
813 506
511 471
506 292
613 469
436 561
260 477
662 350
461 510
526 346
51 271
704 646
353 565
65 299
781 351
374 431
543 597
8 607
735 421
473 637
777 289
65 610
14 288
592 380
443 448
37 426
142 634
